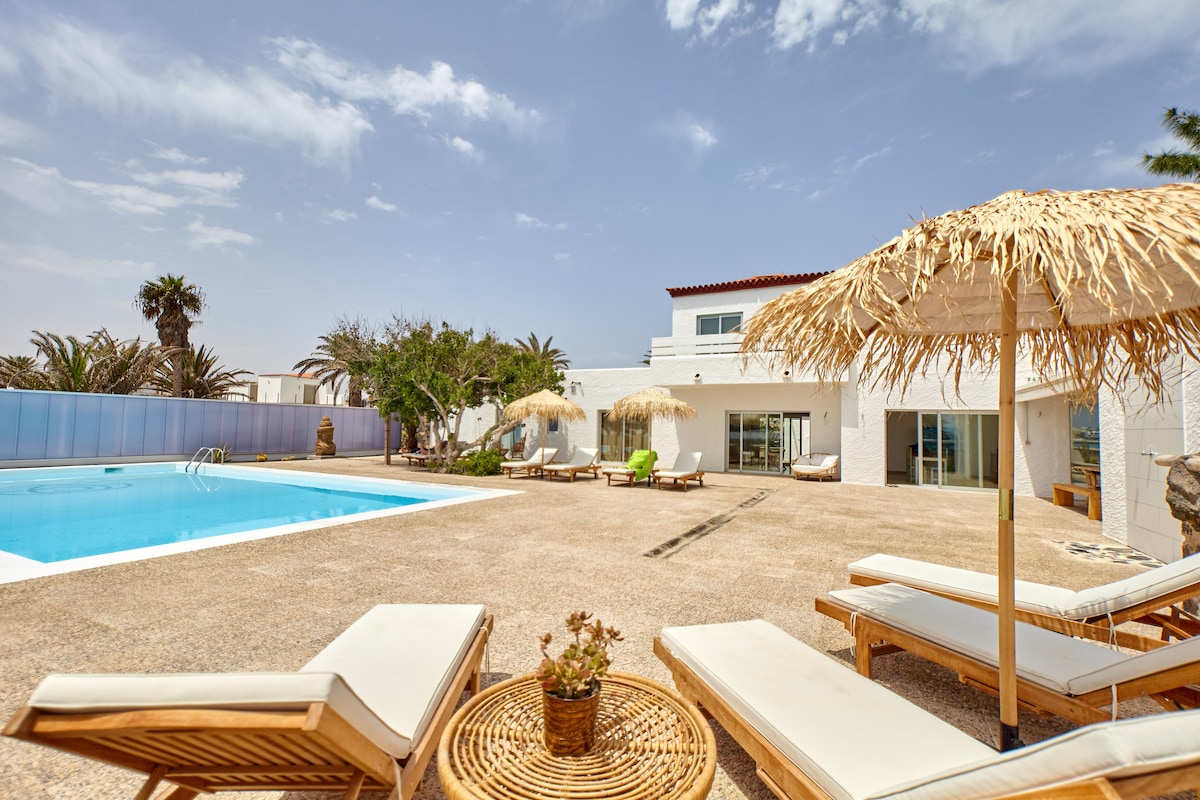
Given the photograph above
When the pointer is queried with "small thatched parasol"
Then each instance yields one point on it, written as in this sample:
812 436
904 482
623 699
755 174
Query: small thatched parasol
545 405
1099 287
650 403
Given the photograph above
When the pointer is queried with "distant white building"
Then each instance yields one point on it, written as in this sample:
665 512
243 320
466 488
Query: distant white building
753 420
300 388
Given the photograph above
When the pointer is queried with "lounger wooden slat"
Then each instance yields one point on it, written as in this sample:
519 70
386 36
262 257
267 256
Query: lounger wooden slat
1167 686
202 749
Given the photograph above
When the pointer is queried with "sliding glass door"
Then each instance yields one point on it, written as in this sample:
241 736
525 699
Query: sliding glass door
619 438
959 450
767 442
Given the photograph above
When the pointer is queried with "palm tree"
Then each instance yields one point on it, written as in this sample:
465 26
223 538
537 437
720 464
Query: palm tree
202 377
20 372
172 304
543 349
99 365
339 358
1183 124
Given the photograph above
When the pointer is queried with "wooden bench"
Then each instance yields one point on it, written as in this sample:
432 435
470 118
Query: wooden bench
1064 495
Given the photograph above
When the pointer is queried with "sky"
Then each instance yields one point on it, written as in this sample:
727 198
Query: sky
531 166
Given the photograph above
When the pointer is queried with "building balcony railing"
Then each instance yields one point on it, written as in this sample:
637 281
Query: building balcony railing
710 345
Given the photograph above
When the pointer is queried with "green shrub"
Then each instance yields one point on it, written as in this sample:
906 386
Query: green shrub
483 462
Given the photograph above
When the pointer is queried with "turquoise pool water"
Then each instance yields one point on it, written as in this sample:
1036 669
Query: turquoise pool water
55 515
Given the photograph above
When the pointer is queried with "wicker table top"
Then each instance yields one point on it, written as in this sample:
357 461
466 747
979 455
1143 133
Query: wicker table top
650 743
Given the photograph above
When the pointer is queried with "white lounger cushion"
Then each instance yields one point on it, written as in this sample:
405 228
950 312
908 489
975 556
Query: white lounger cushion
583 457
1137 746
1060 663
850 735
543 455
385 675
685 464
1052 600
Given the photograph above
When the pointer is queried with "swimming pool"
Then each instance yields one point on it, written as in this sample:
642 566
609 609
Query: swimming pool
59 519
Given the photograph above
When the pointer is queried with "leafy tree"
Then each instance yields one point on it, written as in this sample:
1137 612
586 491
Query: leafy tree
436 372
20 372
342 357
99 364
202 377
1183 124
519 373
172 304
543 349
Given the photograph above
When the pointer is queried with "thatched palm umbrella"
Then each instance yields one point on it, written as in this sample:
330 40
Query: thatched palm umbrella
650 403
545 405
1099 287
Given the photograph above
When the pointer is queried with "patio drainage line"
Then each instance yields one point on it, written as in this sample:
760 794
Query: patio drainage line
673 546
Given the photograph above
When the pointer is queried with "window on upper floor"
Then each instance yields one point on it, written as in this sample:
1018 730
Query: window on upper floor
707 324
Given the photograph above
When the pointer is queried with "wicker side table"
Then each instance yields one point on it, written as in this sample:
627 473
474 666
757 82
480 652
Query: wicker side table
650 743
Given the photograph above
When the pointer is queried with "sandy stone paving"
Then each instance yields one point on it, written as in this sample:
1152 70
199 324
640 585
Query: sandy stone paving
531 558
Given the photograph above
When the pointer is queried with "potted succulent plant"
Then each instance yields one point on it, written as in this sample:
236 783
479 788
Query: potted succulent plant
571 684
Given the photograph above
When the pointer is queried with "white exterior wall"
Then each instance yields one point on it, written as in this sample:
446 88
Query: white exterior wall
290 389
596 390
1135 508
685 309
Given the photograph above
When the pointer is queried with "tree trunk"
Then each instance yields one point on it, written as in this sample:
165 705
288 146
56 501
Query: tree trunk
387 440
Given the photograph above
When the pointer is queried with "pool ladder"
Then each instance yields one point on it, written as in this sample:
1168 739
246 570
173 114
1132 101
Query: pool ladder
198 459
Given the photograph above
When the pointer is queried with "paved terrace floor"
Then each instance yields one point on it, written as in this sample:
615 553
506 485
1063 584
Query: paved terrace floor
531 558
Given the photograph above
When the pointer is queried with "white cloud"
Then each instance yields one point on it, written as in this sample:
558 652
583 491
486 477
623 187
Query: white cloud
35 184
177 156
52 261
863 160
800 21
1065 36
562 258
214 236
757 176
971 36
682 13
338 215
405 91
121 77
464 147
374 202
700 137
15 132
529 221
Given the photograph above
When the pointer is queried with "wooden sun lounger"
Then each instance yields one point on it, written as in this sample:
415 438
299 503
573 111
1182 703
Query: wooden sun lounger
584 460
1057 674
686 468
271 743
1154 598
826 732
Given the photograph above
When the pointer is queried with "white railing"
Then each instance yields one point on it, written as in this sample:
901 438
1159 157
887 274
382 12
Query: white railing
712 345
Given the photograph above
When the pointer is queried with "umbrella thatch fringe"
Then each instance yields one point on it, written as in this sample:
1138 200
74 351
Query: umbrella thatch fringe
893 311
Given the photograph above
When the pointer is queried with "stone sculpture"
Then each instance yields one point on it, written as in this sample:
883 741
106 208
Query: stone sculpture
1183 497
325 445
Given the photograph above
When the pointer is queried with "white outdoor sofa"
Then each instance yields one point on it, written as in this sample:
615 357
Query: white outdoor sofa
815 465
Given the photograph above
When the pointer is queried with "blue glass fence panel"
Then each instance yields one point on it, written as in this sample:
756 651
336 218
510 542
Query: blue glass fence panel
63 425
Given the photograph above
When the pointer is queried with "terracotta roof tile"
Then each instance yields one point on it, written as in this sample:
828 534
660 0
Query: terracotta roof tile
757 282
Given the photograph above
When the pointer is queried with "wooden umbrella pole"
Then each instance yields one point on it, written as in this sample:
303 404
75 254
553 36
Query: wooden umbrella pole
1009 732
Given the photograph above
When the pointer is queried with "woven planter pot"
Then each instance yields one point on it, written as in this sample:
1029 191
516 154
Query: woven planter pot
570 725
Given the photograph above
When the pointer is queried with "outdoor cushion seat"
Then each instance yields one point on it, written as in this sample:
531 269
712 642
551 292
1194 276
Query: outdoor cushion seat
532 465
365 713
1153 597
686 468
1060 674
827 732
640 465
815 465
583 460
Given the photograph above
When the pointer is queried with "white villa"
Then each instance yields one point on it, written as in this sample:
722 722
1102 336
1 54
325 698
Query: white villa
752 420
